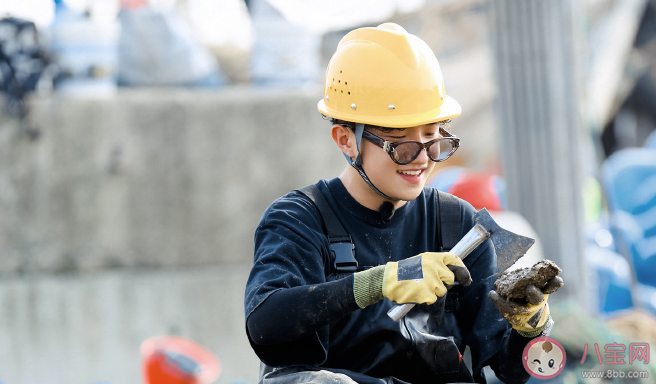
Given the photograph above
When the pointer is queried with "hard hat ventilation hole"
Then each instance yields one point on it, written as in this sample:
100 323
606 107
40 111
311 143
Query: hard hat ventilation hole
349 93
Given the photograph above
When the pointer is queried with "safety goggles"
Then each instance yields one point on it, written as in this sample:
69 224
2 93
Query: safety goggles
404 152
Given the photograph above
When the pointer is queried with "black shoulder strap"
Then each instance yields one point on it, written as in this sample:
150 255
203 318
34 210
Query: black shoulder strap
341 244
450 220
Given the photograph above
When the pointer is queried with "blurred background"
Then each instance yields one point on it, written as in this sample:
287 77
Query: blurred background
141 140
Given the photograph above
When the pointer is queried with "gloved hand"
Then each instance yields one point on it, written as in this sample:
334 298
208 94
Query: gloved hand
419 279
529 316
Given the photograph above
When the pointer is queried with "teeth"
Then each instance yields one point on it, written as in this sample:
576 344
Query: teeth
411 173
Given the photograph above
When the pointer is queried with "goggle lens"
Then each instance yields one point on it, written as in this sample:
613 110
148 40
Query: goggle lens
404 152
437 150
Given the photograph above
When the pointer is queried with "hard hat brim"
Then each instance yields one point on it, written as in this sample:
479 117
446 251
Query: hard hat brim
448 110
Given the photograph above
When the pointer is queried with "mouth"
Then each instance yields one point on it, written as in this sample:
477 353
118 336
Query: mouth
411 175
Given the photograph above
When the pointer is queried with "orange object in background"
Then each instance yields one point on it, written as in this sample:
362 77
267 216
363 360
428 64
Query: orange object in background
176 360
479 190
482 190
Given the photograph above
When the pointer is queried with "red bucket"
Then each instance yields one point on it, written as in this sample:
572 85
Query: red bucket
176 360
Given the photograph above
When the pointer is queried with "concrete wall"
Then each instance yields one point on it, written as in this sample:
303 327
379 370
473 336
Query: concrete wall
87 328
153 179
133 216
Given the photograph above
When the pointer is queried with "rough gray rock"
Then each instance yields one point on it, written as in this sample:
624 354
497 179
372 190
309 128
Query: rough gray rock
529 283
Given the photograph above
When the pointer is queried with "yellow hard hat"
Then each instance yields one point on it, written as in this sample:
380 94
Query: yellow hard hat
387 77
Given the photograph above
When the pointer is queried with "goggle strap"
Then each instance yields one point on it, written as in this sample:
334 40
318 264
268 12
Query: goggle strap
357 164
359 131
370 184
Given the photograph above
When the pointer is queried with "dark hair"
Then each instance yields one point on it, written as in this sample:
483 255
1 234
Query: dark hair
351 125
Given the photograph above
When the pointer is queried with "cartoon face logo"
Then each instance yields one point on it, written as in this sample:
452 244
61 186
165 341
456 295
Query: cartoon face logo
544 358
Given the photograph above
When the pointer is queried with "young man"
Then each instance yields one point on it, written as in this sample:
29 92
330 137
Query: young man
314 319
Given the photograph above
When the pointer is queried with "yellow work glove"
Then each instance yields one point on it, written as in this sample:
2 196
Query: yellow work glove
419 279
528 317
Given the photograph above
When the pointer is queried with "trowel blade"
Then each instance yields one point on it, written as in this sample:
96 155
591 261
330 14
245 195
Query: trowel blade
509 247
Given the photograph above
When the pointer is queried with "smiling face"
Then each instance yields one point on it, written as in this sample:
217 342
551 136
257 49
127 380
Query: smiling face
400 182
403 182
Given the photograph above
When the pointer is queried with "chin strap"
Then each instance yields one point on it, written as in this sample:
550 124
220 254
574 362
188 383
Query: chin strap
357 164
370 184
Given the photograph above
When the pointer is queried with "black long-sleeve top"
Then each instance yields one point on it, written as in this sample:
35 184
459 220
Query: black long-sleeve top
299 312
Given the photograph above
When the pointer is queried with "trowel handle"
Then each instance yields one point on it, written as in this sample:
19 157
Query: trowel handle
475 237
462 249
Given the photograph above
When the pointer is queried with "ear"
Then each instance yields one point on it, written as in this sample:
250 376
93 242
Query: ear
345 140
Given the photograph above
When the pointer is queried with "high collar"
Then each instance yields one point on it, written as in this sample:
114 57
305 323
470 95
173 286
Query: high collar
372 217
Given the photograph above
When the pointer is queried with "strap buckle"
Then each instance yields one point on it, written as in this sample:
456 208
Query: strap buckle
344 257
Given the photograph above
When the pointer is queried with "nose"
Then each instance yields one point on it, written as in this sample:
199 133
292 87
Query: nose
422 157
